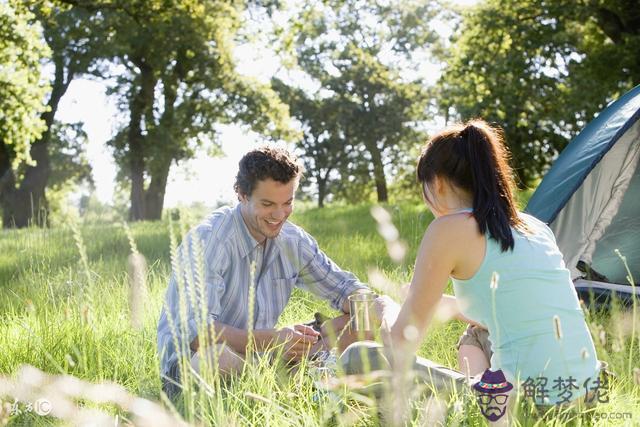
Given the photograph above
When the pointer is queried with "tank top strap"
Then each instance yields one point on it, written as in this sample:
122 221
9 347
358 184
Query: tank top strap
461 210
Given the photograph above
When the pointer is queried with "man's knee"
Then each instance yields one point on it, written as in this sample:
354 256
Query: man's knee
219 357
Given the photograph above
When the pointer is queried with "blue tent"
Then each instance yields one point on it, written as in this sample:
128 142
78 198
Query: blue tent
591 200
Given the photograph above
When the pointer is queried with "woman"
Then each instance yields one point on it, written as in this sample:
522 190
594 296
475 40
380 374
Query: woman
507 272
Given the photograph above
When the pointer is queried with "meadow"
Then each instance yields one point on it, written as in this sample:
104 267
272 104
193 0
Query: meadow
65 309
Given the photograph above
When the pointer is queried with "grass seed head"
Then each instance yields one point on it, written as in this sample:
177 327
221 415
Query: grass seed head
584 354
86 314
602 336
410 333
137 288
397 250
495 278
557 327
69 360
616 347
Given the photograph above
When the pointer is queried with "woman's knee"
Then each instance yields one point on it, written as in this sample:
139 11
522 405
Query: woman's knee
474 350
472 360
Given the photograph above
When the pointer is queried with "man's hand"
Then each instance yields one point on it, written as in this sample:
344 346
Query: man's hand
297 340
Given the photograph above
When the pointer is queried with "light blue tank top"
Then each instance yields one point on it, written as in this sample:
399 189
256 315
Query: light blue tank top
533 287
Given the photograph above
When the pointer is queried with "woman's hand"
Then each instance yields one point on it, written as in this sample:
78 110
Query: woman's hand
386 311
404 291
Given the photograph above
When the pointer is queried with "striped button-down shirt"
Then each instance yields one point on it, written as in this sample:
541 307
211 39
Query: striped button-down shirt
223 253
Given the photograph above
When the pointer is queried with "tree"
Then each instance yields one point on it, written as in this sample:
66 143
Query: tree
69 162
357 54
541 70
323 144
179 81
22 89
70 168
74 37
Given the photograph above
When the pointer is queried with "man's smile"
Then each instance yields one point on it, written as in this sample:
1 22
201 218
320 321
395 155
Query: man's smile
273 224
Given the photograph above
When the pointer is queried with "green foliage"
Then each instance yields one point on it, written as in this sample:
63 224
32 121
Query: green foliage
363 110
540 70
92 211
179 81
70 169
75 38
22 88
69 163
323 147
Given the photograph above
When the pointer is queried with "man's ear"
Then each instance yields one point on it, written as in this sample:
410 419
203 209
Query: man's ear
242 197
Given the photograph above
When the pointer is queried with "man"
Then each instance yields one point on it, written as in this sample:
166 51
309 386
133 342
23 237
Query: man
251 245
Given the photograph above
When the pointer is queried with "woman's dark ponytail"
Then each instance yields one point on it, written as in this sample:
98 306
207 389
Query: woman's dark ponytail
473 157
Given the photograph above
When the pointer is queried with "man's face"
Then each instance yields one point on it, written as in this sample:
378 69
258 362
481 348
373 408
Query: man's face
268 207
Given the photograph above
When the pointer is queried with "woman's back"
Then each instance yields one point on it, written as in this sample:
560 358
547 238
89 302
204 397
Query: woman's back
535 322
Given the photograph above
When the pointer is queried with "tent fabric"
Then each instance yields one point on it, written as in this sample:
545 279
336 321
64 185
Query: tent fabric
582 155
622 234
626 168
591 195
590 212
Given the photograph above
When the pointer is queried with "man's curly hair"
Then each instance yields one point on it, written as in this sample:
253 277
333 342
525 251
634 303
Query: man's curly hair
266 162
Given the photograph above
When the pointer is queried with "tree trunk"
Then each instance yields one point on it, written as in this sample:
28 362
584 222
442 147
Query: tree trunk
5 167
154 196
136 171
160 167
378 172
322 189
140 104
28 204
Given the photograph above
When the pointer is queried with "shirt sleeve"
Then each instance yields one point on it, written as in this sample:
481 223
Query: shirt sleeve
196 284
321 276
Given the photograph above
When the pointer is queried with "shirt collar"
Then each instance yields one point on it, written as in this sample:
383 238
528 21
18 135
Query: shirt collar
246 241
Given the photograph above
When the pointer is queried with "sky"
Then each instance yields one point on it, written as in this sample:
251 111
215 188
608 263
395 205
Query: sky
202 179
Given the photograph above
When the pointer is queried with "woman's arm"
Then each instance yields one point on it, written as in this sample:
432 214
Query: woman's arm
444 250
448 308
434 263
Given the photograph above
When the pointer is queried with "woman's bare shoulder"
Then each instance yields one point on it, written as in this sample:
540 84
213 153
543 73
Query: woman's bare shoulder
458 239
459 224
452 233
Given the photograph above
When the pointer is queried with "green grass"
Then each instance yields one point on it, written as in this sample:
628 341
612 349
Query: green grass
67 317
